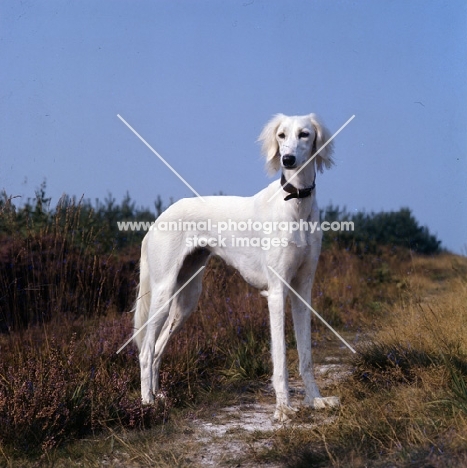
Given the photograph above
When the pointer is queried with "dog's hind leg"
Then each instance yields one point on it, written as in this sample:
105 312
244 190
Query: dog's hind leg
157 317
182 306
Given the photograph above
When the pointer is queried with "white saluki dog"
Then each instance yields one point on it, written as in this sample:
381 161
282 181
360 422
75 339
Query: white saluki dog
170 256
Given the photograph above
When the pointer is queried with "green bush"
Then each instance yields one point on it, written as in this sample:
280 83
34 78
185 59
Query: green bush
398 229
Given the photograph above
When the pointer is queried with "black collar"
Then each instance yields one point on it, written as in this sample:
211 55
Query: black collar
296 192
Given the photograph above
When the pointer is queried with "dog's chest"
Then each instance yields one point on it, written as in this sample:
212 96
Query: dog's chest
303 224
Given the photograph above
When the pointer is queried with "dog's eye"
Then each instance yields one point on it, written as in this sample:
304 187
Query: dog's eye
281 135
303 135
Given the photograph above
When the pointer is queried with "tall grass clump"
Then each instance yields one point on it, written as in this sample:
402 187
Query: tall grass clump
55 262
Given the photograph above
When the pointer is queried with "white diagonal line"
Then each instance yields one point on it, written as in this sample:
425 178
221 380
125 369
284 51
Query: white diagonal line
315 154
160 157
313 310
162 306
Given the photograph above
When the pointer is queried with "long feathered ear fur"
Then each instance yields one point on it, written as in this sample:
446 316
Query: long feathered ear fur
324 157
269 147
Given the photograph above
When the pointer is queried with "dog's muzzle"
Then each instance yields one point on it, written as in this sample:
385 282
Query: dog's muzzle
288 161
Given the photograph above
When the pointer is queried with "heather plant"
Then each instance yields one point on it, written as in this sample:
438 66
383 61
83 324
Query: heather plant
55 385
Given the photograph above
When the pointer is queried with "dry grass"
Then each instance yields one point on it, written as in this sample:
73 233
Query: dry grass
406 402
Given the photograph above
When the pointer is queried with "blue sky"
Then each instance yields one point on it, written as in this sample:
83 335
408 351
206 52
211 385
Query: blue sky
199 79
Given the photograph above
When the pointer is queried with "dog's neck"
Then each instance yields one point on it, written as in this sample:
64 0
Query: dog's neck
302 191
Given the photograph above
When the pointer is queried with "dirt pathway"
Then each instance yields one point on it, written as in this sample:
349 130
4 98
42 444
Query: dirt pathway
234 434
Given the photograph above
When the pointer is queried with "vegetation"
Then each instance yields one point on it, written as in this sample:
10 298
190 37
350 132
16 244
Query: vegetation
405 403
373 230
67 285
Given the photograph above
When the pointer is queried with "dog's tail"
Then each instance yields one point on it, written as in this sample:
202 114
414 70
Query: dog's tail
143 299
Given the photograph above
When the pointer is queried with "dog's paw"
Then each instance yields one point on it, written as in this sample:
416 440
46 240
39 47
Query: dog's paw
284 413
323 402
147 401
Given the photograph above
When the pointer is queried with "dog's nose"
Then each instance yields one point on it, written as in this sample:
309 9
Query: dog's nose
288 160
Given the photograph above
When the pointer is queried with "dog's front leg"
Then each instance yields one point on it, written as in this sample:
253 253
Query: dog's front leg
276 304
302 323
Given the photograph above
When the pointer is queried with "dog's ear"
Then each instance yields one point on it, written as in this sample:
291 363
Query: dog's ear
324 157
270 148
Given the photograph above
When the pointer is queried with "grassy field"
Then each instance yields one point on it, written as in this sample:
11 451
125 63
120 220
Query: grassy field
67 398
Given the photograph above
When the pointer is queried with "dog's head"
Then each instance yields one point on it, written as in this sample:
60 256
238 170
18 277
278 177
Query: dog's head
289 142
